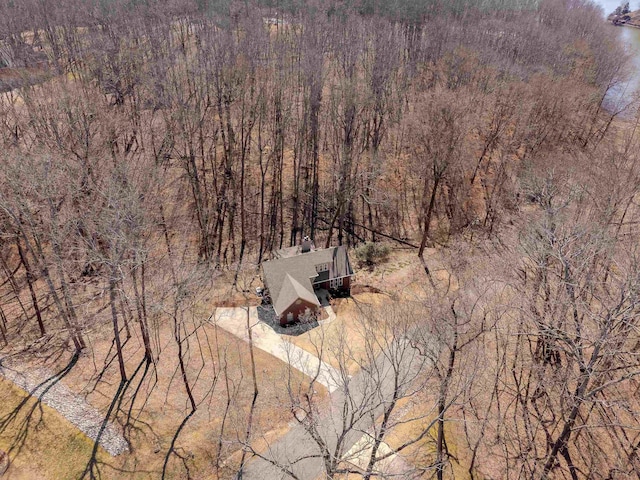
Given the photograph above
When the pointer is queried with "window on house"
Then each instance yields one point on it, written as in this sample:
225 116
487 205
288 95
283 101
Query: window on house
322 267
335 282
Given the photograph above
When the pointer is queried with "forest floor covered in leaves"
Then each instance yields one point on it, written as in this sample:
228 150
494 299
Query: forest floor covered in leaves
32 429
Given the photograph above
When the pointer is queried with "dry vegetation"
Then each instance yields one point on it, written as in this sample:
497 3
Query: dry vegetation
156 405
343 341
154 153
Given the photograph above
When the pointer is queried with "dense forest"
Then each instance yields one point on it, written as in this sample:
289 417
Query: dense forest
156 151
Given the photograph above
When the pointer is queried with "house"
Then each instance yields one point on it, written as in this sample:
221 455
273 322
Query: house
297 273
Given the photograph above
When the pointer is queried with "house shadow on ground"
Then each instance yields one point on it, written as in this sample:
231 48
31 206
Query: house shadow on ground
323 297
268 316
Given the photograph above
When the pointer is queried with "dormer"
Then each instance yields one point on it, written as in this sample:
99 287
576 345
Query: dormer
322 267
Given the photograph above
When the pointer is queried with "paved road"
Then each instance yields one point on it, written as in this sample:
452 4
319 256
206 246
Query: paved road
360 396
234 321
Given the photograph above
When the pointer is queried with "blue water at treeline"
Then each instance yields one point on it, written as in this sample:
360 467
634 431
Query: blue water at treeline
623 93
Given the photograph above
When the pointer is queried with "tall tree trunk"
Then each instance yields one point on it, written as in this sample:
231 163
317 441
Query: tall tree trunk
11 278
30 279
3 326
113 279
429 213
442 400
254 398
142 311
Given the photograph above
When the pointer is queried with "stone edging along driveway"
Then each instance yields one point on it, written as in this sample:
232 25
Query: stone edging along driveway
234 321
42 384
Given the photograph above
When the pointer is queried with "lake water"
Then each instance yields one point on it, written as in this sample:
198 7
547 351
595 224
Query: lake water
631 37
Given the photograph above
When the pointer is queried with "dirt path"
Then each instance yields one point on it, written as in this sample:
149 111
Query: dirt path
234 321
45 386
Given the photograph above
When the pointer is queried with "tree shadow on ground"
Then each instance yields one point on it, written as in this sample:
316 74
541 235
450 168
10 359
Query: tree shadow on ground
28 408
92 469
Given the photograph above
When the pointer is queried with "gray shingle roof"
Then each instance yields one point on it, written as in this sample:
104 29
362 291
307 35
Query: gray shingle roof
289 279
291 291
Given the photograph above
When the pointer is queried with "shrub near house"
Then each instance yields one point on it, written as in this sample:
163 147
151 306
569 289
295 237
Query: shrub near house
372 253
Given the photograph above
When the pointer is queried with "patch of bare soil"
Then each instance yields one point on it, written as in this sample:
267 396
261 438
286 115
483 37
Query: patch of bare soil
11 78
